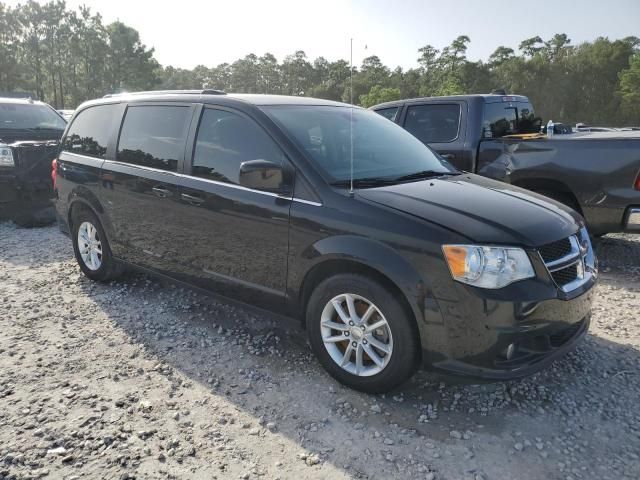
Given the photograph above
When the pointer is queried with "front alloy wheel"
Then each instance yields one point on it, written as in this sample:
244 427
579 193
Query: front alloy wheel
362 332
356 335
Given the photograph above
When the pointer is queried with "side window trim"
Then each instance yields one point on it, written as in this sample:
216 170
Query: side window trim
193 137
459 135
395 115
125 107
113 127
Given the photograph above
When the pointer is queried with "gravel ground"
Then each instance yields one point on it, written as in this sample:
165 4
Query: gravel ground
140 379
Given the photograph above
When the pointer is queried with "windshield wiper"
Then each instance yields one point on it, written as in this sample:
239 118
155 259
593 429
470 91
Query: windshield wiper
424 174
366 182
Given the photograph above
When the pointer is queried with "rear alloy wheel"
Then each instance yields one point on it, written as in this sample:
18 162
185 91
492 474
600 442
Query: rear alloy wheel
361 333
91 248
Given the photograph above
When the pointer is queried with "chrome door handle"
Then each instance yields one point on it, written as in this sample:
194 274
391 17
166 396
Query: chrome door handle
162 192
192 199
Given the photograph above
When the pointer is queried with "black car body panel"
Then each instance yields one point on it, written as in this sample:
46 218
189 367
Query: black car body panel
596 171
269 249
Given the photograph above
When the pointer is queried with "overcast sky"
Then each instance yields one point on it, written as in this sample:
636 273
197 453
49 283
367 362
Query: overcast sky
189 32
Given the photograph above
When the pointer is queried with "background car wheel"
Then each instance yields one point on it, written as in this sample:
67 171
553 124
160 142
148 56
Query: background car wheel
362 335
91 248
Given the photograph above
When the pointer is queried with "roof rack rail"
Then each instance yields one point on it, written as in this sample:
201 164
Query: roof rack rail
206 91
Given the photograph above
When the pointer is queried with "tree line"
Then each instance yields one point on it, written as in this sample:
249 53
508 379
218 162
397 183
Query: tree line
65 57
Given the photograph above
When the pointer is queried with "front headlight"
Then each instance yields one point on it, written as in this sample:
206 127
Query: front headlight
487 267
6 157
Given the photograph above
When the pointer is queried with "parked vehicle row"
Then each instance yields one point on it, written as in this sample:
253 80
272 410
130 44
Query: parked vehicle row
391 256
596 174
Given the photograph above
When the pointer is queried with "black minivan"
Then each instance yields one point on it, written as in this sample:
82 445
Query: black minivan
329 213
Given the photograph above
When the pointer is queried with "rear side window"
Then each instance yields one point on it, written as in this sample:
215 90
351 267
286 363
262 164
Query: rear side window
89 132
389 113
435 123
509 118
225 140
154 136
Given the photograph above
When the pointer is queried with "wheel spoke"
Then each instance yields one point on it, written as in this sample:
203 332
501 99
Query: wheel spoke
347 355
380 323
351 306
336 326
340 311
335 339
359 359
378 344
95 261
367 315
373 355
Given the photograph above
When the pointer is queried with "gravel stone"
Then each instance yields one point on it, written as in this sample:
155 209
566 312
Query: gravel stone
139 378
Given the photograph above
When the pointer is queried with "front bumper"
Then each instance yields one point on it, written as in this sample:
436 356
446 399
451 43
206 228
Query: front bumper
533 353
18 200
509 340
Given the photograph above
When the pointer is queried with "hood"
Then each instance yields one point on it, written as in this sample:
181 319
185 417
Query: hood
481 209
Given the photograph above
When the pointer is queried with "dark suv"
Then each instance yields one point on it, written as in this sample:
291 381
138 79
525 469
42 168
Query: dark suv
332 214
30 132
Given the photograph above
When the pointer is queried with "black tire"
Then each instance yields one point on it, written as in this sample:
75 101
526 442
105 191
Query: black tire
109 268
405 354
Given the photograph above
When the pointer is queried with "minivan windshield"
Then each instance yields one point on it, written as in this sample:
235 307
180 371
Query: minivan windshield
383 152
27 116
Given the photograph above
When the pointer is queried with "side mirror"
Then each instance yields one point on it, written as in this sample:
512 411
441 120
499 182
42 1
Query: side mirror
264 175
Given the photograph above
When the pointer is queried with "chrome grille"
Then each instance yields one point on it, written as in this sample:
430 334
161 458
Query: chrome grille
565 275
556 250
569 261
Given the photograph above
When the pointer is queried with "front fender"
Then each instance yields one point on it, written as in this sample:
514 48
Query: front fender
374 255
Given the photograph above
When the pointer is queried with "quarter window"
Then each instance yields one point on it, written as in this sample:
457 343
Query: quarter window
225 140
435 123
154 136
89 133
389 113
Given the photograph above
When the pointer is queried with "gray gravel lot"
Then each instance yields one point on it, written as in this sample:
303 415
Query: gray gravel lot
140 379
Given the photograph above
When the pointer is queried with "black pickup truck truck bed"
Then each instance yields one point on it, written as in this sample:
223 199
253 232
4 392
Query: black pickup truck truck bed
596 173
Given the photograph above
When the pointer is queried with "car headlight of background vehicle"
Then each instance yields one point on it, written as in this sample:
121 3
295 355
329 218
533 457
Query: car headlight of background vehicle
6 157
487 267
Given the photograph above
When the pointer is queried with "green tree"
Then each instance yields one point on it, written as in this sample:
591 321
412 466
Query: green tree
10 66
130 65
501 55
630 91
297 74
379 94
531 46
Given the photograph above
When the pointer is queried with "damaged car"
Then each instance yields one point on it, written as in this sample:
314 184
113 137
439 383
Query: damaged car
30 133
